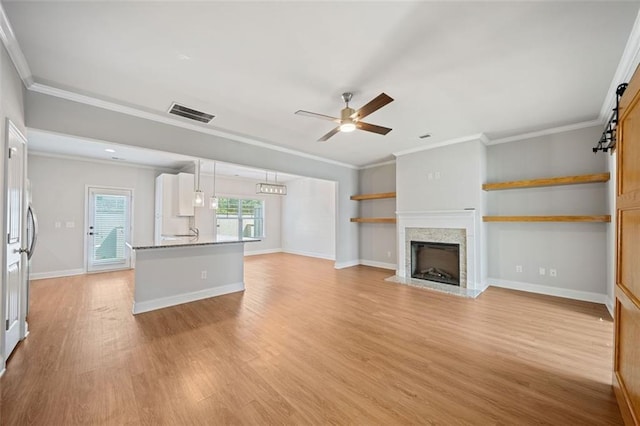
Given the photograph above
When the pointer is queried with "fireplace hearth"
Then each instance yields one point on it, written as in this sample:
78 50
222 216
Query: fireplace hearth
460 227
435 261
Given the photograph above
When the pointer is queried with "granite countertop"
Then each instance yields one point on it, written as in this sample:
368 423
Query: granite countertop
192 242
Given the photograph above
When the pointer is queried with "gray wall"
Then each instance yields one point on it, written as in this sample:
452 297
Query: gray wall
11 107
67 117
578 251
309 218
59 190
378 240
58 187
445 178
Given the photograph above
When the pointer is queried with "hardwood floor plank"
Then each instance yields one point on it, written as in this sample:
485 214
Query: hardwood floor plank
308 344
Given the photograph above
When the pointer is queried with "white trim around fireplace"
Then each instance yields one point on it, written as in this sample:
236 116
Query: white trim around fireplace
443 219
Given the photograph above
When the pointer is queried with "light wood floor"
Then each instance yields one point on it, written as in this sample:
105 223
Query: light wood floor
307 344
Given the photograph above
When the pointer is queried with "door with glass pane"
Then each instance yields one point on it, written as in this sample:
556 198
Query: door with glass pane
108 229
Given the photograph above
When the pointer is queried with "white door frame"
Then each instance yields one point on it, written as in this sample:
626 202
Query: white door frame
87 193
12 130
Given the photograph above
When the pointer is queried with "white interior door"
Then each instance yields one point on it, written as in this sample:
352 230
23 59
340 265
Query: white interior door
108 229
15 278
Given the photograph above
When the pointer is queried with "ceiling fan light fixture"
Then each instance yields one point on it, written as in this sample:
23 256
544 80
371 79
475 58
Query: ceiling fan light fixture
347 127
350 119
347 124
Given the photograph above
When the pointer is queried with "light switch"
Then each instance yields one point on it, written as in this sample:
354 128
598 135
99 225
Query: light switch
57 225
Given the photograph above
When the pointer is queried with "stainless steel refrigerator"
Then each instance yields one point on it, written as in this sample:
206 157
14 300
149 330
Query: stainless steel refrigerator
32 238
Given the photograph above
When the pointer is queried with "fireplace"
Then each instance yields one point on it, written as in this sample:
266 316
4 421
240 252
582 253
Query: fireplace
436 261
460 227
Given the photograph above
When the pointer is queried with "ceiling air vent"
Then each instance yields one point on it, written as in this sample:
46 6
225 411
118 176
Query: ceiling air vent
190 113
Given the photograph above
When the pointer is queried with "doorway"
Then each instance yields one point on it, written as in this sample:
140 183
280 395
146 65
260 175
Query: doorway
109 229
15 278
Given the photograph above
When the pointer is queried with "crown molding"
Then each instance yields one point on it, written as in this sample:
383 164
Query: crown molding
626 67
20 62
371 166
13 48
546 132
484 139
112 106
113 163
477 137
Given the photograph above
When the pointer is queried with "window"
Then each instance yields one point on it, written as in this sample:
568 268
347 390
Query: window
238 218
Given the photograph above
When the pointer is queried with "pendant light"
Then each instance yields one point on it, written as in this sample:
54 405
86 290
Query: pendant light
198 195
213 201
271 188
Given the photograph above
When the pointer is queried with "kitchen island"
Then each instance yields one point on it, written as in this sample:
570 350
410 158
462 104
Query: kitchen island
179 271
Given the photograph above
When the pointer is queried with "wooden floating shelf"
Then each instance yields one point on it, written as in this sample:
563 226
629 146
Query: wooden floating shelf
373 196
601 218
535 183
374 219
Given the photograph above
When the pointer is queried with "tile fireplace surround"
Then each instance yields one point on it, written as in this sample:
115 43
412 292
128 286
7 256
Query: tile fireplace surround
444 226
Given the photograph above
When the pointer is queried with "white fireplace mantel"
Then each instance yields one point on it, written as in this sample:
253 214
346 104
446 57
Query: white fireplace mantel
443 219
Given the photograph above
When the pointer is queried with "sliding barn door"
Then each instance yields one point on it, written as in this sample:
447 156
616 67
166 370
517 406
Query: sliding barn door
626 378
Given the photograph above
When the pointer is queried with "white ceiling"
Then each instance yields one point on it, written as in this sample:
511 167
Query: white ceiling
64 145
454 68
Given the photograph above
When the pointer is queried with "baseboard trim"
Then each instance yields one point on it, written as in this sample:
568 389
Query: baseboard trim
309 254
165 302
482 287
347 264
377 264
550 291
609 304
55 274
265 251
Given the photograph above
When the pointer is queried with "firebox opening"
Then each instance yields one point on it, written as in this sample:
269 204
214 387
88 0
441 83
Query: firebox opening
438 262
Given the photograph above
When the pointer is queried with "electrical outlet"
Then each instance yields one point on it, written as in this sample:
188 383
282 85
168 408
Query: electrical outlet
203 275
389 254
70 224
430 176
542 271
553 273
518 268
437 175
58 225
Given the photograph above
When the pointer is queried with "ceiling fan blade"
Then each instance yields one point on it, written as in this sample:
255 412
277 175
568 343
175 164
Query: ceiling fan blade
316 115
328 135
381 100
372 128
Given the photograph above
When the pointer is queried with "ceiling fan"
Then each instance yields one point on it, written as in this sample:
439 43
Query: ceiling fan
350 119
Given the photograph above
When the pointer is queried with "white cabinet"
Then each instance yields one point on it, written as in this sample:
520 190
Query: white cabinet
167 220
185 194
